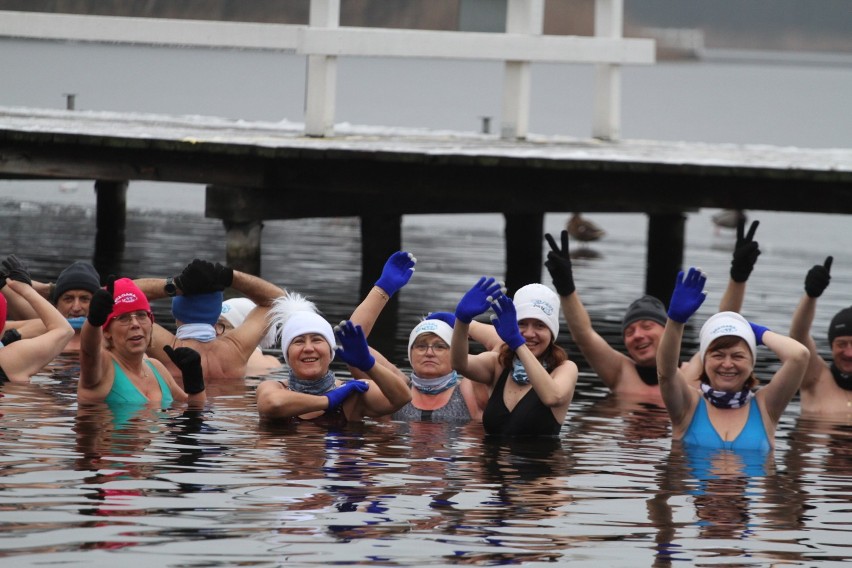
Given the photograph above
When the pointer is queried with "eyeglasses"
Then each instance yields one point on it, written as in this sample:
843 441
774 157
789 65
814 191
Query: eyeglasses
437 348
140 315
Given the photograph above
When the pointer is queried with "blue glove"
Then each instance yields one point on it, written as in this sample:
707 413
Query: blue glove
506 322
445 317
353 346
758 330
688 295
397 272
337 396
478 299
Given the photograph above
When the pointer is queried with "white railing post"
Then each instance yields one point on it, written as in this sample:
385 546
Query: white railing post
522 17
321 83
609 20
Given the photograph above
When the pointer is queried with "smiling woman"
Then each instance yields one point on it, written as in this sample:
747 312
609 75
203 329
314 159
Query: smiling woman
730 415
312 392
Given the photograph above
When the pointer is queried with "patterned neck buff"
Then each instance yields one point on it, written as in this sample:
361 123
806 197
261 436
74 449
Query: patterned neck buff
519 374
198 331
318 386
437 385
843 380
724 399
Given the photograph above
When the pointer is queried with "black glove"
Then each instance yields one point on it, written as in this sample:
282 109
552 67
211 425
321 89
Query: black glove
100 307
188 361
224 275
559 265
199 277
746 252
16 270
818 277
11 336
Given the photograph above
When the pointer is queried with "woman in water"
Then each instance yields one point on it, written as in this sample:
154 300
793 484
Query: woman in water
530 379
725 412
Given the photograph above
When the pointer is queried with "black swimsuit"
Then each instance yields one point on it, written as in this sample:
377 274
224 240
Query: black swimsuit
530 417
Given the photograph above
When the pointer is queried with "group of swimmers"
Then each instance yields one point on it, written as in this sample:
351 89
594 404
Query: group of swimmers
521 383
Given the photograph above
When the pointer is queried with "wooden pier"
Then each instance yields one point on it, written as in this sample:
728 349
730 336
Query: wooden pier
259 171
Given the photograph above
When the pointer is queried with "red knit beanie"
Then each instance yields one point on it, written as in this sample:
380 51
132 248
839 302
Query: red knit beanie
128 298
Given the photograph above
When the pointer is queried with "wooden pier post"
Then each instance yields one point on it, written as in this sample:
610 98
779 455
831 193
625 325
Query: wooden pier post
665 253
524 258
381 236
110 223
242 245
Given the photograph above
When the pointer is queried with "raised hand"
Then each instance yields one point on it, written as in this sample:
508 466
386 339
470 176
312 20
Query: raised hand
478 299
397 272
224 275
337 396
746 252
15 269
818 277
688 295
559 265
200 277
758 330
353 348
100 307
506 322
188 361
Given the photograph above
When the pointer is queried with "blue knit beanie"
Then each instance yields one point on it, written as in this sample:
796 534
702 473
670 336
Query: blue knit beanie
198 308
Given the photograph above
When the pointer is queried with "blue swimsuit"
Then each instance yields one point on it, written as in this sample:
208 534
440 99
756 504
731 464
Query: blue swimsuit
702 433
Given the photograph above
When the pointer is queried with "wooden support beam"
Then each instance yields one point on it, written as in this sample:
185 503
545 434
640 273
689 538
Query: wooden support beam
666 238
111 224
524 256
381 236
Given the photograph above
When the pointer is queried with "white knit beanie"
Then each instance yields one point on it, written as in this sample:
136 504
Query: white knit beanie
726 323
236 310
539 302
295 315
436 326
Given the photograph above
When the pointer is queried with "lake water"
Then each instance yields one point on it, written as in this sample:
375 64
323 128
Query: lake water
167 487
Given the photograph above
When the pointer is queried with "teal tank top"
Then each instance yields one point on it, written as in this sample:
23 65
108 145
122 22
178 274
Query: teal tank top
702 433
125 392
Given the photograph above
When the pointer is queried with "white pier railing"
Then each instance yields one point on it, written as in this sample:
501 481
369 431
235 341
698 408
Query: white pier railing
323 40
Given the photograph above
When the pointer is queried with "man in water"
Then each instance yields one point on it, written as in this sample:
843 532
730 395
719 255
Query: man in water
70 294
197 294
635 374
827 387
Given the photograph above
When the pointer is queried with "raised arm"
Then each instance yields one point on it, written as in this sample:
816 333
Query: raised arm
816 282
746 251
18 308
26 357
396 273
477 300
679 399
606 361
786 380
93 358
